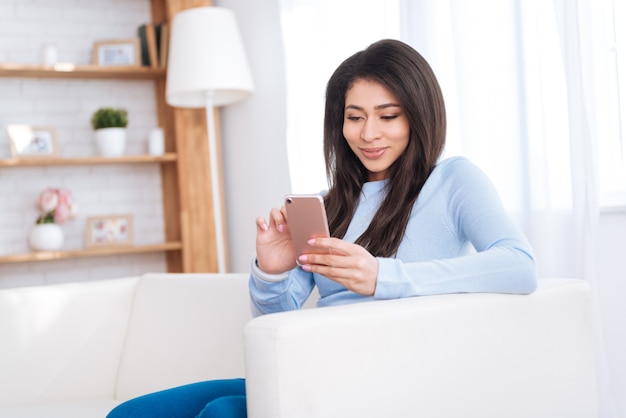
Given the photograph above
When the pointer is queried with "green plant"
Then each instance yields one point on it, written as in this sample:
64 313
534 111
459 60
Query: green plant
108 117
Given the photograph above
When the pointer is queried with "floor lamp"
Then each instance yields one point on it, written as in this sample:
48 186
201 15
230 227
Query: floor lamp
207 67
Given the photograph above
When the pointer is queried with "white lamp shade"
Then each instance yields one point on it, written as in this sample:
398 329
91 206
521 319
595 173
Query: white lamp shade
206 58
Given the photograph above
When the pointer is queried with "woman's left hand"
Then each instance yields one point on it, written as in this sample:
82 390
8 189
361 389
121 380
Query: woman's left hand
347 264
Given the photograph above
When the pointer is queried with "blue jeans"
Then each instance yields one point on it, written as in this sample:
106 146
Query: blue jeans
210 399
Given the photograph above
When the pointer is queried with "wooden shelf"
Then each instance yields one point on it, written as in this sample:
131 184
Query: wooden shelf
89 252
187 200
47 161
70 71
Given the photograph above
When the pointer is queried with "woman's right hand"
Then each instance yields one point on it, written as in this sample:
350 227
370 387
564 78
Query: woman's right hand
274 248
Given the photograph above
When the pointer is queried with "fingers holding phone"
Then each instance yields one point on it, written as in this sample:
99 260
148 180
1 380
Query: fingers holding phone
274 249
348 264
281 240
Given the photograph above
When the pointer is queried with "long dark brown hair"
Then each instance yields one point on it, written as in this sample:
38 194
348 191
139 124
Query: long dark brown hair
406 74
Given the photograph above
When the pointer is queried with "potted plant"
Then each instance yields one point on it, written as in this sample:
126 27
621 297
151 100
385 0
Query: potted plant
56 206
109 125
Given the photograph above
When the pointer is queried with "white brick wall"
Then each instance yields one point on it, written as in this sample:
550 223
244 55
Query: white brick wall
72 26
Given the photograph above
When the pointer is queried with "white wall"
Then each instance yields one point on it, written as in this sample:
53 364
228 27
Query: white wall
256 172
67 106
611 290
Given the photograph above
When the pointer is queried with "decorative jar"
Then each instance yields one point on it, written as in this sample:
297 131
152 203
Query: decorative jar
46 237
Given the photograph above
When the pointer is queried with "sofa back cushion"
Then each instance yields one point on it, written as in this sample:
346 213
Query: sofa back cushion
184 328
62 341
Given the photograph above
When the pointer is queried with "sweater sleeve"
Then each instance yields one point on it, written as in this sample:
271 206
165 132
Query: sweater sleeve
471 208
278 293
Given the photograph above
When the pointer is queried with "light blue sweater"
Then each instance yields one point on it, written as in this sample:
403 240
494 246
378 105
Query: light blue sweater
459 239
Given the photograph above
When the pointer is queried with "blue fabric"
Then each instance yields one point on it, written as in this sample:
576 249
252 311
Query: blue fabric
225 407
210 399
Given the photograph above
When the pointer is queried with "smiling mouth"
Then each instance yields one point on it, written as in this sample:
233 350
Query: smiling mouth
373 153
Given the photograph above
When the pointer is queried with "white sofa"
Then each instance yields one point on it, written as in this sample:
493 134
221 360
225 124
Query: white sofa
78 350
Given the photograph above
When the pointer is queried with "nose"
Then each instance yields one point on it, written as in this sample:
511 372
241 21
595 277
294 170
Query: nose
370 131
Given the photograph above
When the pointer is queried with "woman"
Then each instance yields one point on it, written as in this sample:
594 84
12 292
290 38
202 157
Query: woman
402 222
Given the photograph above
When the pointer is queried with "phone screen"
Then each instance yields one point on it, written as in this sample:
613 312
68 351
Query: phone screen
306 217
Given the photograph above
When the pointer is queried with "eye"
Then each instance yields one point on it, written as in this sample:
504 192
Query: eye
389 117
353 117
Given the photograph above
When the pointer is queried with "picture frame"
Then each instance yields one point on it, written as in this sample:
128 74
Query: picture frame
109 230
121 52
32 141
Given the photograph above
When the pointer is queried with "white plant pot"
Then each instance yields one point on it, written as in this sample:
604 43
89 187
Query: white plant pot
45 237
111 142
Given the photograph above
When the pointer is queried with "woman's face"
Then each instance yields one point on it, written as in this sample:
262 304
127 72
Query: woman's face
375 127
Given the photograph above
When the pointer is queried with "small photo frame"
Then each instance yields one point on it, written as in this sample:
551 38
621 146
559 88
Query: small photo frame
31 142
123 52
110 230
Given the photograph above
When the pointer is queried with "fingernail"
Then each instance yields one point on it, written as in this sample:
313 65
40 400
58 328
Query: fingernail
311 241
303 258
264 227
281 228
306 267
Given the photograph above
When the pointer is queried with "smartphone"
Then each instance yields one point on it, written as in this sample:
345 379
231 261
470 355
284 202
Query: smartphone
306 216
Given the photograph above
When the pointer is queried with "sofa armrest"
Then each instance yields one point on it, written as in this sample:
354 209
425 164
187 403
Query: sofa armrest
470 355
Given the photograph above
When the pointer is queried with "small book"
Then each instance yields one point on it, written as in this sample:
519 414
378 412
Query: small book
157 37
164 44
152 45
143 41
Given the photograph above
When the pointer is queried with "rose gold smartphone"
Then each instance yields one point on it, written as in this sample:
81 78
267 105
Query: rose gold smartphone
306 216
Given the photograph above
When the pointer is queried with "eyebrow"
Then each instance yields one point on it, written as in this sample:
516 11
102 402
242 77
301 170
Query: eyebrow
379 107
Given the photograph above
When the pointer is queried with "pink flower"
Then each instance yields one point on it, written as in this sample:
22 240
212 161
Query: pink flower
48 200
61 213
56 206
64 196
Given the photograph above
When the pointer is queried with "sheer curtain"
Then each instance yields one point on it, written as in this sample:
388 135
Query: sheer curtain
524 85
525 88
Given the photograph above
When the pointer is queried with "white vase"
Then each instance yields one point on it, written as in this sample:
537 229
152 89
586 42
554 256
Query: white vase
111 142
156 142
45 237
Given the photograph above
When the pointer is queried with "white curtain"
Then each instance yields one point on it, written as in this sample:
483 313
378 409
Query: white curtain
523 82
525 89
